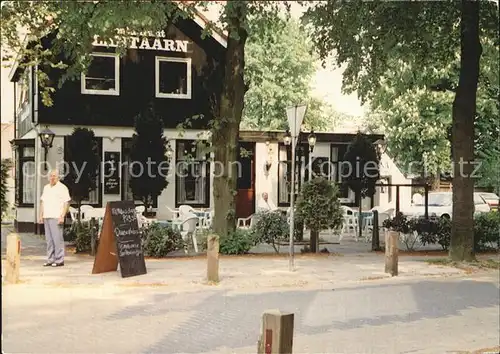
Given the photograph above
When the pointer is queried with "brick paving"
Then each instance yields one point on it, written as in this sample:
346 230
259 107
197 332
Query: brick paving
342 304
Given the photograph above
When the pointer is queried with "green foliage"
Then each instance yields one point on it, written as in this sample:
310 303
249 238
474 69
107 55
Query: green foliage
361 166
271 228
83 160
413 108
83 240
279 66
438 230
368 37
159 241
69 233
487 231
238 242
4 176
150 164
318 205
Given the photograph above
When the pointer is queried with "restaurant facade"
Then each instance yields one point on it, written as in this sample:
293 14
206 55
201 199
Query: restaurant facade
178 71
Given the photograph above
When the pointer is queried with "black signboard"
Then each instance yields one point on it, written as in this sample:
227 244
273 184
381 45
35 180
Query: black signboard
111 172
128 240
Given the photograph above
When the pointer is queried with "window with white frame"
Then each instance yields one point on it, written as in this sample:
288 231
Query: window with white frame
103 75
192 174
173 77
26 175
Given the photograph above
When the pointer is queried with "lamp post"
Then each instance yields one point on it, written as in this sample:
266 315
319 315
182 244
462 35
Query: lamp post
295 115
46 137
312 142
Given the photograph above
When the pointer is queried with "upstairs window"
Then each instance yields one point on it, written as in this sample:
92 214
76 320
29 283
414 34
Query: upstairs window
103 75
173 77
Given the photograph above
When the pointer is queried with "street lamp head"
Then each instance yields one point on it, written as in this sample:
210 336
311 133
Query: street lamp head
287 139
47 137
312 140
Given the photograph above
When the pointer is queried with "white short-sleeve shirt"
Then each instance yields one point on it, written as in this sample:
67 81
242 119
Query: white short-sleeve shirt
53 198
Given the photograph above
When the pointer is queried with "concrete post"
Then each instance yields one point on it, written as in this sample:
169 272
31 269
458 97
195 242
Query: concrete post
277 333
213 258
13 258
391 253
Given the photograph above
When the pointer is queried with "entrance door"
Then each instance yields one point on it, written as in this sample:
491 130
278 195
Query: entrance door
245 199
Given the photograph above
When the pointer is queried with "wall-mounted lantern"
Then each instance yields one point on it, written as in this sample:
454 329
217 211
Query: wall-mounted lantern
268 164
47 138
381 146
169 152
311 140
287 139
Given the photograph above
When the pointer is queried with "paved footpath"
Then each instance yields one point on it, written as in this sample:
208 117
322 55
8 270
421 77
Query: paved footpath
341 305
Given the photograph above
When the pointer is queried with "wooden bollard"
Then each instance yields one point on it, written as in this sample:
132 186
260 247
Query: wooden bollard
391 252
277 333
13 258
213 258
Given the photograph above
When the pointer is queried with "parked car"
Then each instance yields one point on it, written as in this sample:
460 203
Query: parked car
492 199
441 206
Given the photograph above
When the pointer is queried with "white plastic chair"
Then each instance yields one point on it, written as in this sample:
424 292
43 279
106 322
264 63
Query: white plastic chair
83 209
73 212
247 223
350 222
186 209
175 214
188 226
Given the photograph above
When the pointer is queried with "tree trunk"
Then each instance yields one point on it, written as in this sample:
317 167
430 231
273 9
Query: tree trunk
435 182
226 126
464 110
314 241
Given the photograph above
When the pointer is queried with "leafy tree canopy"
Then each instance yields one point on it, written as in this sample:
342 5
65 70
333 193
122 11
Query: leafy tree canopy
280 65
370 37
413 108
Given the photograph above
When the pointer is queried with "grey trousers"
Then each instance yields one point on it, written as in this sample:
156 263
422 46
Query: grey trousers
55 240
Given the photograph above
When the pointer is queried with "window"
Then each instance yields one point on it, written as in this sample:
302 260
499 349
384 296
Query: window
173 77
22 89
192 175
25 176
337 156
95 194
103 75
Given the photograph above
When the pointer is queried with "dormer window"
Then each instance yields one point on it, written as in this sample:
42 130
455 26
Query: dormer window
103 75
173 77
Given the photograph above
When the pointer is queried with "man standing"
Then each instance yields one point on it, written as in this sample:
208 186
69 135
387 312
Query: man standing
54 205
265 204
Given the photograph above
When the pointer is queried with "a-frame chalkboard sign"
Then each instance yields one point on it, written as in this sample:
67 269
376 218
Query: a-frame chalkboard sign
120 241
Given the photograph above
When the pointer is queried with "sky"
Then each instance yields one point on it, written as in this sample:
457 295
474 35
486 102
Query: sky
326 84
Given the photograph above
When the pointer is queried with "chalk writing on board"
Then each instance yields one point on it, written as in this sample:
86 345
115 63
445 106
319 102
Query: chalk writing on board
129 249
123 233
127 216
